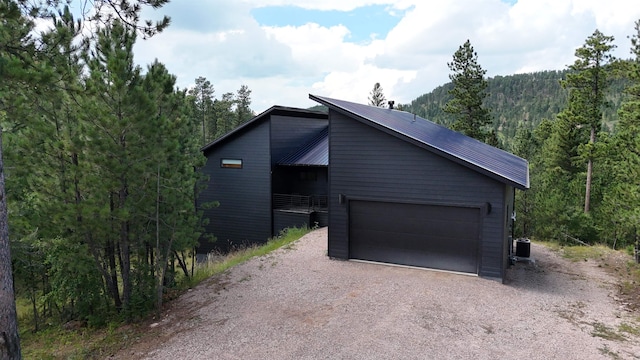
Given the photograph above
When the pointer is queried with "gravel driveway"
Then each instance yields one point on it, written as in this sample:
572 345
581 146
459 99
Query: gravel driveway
296 303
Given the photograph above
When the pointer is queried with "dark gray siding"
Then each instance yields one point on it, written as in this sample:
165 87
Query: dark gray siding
370 164
508 226
288 133
244 214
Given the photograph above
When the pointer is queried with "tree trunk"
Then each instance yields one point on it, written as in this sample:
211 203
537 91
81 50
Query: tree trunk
587 193
159 265
125 265
9 339
125 256
182 262
112 278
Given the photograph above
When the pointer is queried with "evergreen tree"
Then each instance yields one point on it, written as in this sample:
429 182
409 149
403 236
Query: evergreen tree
621 201
526 146
224 114
376 96
243 103
468 93
176 225
587 83
118 129
17 53
201 97
62 187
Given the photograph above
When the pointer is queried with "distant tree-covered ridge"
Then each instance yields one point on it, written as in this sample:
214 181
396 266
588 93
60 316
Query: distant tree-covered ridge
516 99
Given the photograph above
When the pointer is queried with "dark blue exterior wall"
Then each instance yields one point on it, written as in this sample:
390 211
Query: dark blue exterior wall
368 163
244 213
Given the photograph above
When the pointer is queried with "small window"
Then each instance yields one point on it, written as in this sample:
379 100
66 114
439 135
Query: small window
231 163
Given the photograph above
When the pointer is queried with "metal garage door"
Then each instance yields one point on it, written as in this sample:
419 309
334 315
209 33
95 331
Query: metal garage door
432 236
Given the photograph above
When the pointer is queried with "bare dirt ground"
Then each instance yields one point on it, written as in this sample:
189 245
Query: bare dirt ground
297 303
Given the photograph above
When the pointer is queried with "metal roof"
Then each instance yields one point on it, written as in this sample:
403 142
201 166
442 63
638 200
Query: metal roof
274 110
313 153
491 161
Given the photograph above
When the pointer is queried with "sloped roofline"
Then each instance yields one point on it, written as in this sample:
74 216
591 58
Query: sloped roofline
493 162
314 152
274 110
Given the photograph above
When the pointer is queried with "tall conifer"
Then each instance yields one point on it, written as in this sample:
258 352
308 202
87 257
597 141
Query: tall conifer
468 93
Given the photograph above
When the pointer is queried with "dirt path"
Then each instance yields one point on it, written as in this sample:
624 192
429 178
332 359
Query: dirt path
299 304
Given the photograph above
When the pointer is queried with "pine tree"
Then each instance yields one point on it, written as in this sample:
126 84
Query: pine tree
176 223
201 97
622 161
587 83
224 114
16 57
118 132
38 102
468 94
526 146
376 96
243 103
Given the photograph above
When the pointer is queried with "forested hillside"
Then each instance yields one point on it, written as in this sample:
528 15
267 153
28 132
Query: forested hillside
520 99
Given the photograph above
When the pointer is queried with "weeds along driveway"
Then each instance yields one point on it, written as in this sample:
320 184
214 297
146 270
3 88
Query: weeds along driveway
296 303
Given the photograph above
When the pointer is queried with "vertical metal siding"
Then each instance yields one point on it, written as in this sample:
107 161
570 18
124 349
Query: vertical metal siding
365 162
244 214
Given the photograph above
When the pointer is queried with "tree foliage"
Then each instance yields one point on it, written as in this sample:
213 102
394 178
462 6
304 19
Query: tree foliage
469 115
587 82
201 98
100 157
243 106
519 100
621 156
218 116
376 96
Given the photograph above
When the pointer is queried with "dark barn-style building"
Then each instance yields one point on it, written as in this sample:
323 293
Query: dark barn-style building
266 175
403 190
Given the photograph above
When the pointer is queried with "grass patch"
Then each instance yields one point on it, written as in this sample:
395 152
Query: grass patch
632 329
583 253
617 262
58 343
217 266
579 252
605 332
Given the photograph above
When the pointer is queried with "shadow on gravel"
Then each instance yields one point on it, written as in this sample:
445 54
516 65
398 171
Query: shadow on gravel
545 273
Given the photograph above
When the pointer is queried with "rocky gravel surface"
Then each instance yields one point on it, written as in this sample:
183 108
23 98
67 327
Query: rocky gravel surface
296 303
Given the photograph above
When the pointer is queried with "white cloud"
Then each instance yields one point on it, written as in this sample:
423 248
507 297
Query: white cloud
311 42
355 86
342 5
281 65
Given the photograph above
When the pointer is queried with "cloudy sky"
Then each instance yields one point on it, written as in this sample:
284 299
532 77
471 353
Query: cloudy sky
285 49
